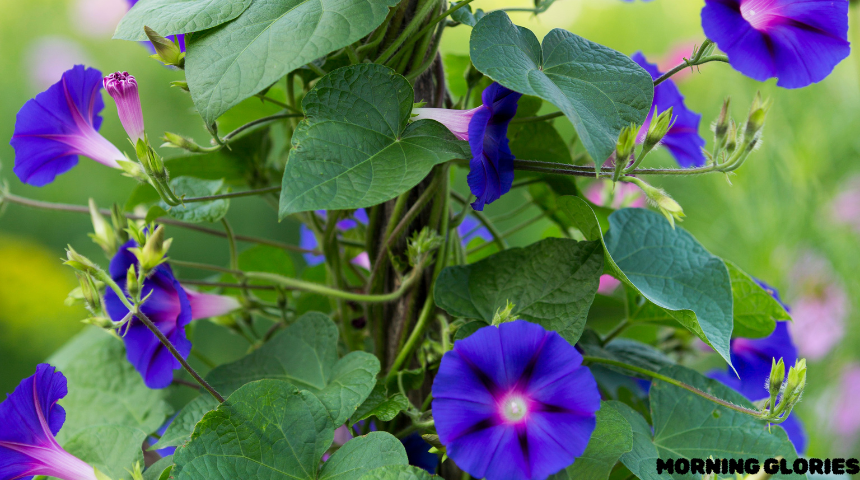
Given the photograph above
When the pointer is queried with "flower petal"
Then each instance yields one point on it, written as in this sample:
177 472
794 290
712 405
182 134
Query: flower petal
207 305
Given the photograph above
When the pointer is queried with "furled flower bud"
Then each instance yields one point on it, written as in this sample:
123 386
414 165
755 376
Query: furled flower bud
796 382
758 113
504 316
90 293
777 375
173 140
122 87
131 283
168 51
103 235
658 129
421 245
732 137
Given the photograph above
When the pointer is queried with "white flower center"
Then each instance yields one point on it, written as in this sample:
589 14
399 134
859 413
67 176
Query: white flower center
514 408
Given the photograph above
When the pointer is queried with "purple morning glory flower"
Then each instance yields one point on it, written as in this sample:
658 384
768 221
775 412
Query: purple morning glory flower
418 453
166 451
61 123
514 402
491 170
752 359
797 41
471 228
30 418
682 140
170 307
122 87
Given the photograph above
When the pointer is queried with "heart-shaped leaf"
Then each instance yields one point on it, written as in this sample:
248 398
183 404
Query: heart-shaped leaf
172 17
600 90
228 64
357 148
305 354
196 212
551 283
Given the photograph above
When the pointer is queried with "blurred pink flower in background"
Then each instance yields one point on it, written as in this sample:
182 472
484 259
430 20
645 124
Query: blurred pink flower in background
608 284
845 208
845 415
624 194
49 57
675 57
819 308
97 18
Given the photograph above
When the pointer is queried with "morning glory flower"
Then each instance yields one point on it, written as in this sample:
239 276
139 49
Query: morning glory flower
470 229
122 87
797 41
752 358
491 170
61 123
514 402
170 307
30 418
682 140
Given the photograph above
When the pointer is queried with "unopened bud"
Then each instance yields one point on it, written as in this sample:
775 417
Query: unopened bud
98 321
173 140
133 170
421 245
657 130
168 51
777 376
79 262
732 137
153 252
722 125
119 221
131 283
504 316
89 292
757 116
796 381
473 76
122 87
103 235
661 200
624 148
180 85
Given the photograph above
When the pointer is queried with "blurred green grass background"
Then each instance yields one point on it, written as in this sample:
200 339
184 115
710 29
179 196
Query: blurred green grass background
777 209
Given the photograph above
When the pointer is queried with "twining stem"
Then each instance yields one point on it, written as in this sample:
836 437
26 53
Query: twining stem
539 118
297 284
64 207
227 285
167 344
511 231
204 266
408 33
697 60
618 330
279 103
414 38
497 236
672 381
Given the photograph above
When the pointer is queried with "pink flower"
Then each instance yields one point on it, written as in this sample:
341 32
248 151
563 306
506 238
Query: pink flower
820 307
122 87
845 208
624 194
846 415
608 284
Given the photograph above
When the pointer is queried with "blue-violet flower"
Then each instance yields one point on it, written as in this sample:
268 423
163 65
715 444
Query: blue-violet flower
61 123
682 140
514 402
30 418
491 170
170 307
797 41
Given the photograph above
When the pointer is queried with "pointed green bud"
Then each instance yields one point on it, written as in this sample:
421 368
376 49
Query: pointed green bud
100 322
90 293
721 126
104 234
624 149
757 116
168 51
796 382
473 76
661 200
657 130
119 221
777 376
154 251
135 231
504 316
173 140
80 262
133 170
732 137
180 85
131 283
421 245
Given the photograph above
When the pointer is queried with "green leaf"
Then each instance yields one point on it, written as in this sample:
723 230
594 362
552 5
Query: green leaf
305 354
380 405
104 389
600 90
455 73
154 213
642 458
159 470
228 64
113 449
172 17
196 212
667 266
755 310
465 16
689 426
551 283
612 438
362 454
397 472
357 148
180 429
266 429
